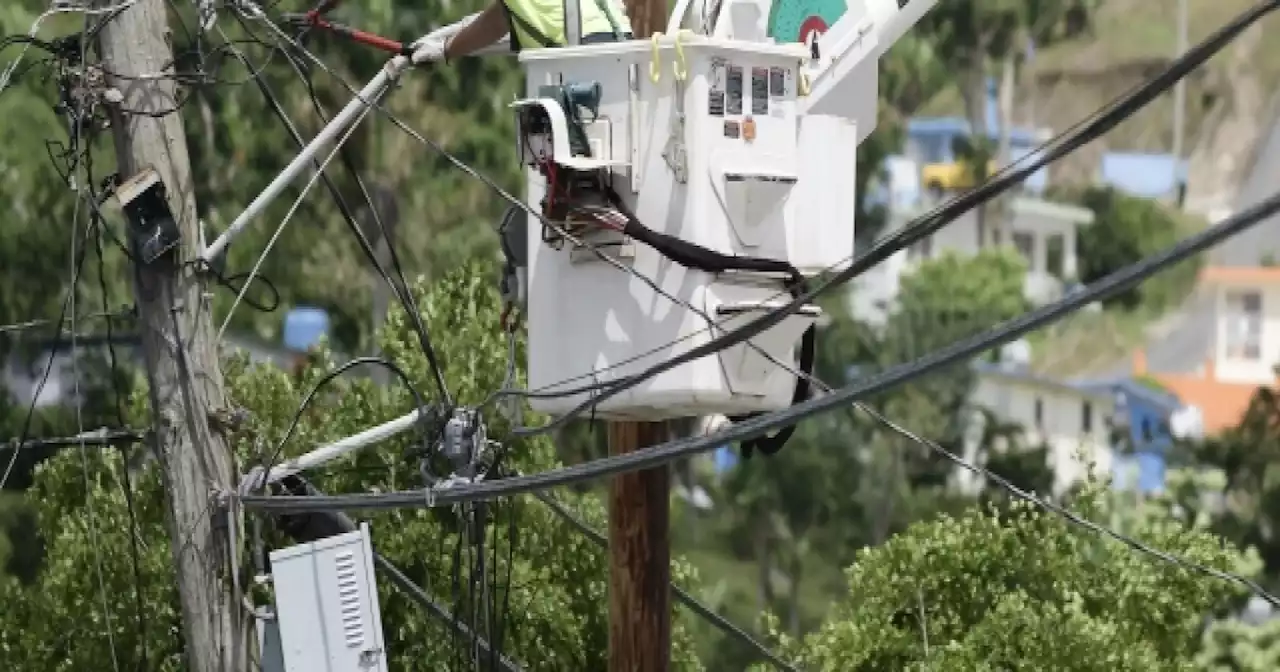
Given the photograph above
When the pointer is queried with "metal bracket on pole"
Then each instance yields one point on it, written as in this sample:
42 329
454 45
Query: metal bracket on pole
328 452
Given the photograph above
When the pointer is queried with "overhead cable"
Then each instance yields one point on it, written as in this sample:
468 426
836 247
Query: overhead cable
656 456
401 291
720 622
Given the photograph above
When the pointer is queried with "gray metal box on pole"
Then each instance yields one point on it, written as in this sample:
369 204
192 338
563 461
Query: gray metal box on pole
327 605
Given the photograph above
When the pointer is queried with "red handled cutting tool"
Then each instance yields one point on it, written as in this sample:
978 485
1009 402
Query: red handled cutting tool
316 19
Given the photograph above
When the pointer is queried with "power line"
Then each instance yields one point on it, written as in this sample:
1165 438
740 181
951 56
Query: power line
656 456
401 291
29 325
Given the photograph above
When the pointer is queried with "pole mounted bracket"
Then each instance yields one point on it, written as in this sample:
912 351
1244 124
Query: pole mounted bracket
153 230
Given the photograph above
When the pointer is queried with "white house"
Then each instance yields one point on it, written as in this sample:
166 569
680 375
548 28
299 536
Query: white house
1226 348
1074 424
1045 233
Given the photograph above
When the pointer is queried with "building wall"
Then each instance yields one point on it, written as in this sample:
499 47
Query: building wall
1054 414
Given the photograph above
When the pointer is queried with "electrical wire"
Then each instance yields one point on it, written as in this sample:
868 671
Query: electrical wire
656 456
721 623
460 630
24 433
94 541
18 327
118 398
402 291
329 377
253 272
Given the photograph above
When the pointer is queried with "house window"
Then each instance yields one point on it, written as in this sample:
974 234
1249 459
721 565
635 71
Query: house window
1086 417
1025 243
1244 325
1039 417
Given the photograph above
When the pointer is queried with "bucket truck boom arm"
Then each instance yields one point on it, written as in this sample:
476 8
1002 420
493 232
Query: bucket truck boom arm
849 50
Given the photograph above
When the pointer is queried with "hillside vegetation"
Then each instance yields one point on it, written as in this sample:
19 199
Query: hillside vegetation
1228 100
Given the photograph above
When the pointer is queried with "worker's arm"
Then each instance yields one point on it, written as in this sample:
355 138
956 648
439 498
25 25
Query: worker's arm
486 29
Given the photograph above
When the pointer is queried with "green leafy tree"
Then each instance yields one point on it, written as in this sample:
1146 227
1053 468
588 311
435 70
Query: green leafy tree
554 605
1248 456
1126 229
1237 646
1022 588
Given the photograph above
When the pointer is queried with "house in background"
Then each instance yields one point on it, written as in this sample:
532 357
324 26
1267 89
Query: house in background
1044 233
931 144
1073 423
1234 354
1143 417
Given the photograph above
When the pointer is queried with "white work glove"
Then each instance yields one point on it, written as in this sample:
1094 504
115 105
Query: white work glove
428 49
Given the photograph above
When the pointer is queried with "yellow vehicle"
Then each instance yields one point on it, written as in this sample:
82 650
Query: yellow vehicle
931 142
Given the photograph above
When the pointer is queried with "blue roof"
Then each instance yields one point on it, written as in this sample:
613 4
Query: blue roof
1132 389
1145 175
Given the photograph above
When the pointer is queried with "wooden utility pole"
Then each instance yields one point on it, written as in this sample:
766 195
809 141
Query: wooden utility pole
177 338
639 556
640 509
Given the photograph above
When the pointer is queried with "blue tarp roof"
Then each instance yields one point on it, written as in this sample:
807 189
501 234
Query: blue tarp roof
1133 390
1145 175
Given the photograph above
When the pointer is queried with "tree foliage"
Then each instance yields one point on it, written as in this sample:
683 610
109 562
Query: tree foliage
554 605
1021 589
1248 456
1237 646
1126 229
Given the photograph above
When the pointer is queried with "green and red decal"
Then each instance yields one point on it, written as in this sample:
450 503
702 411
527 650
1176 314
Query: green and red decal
796 20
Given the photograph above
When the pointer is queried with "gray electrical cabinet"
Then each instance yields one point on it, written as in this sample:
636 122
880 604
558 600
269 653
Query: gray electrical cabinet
327 605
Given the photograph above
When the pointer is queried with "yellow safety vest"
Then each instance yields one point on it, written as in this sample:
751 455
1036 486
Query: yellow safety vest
541 23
